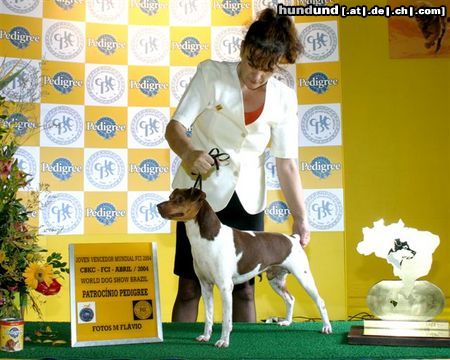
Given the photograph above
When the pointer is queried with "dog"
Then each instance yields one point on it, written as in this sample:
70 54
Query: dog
432 27
224 256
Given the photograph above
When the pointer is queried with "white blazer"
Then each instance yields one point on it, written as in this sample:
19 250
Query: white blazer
213 106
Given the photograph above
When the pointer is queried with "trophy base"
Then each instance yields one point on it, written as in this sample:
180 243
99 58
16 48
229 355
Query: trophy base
356 337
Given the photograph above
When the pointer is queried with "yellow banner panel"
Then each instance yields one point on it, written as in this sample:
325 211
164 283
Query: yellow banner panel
106 44
62 83
105 127
20 37
189 45
148 171
62 170
148 86
321 167
319 83
105 216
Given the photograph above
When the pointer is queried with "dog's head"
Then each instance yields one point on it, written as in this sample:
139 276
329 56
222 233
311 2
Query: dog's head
183 204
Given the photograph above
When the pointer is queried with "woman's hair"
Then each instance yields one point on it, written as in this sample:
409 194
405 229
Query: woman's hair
271 39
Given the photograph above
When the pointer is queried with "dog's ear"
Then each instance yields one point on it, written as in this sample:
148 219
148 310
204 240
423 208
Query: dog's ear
197 195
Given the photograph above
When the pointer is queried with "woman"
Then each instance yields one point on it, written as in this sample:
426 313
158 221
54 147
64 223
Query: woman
238 108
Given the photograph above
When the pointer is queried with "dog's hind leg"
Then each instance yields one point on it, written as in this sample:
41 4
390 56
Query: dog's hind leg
207 295
277 279
303 274
227 309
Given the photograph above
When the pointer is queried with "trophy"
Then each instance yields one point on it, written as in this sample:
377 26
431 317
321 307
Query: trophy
405 308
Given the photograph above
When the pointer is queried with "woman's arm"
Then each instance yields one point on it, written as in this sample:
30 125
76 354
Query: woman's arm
197 161
291 186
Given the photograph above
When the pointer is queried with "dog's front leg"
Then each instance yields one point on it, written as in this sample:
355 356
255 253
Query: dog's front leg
226 291
207 294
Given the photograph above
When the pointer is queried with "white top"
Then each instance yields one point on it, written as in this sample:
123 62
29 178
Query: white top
213 106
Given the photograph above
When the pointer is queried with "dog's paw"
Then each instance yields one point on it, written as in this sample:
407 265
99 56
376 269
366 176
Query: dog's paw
202 338
277 320
221 343
283 322
326 329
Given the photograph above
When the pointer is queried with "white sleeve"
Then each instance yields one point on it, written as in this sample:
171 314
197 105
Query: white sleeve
285 131
195 99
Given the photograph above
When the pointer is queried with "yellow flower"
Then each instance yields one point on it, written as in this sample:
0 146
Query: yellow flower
2 256
36 273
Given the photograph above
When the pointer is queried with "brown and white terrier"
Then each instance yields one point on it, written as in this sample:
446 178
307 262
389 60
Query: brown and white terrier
224 256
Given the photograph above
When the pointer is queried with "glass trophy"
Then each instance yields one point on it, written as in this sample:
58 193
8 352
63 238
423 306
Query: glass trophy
404 308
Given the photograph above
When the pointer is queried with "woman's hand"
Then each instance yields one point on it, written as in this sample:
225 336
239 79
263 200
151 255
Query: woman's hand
197 161
301 228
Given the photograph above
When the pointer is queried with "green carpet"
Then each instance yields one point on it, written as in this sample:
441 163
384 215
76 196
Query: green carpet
248 341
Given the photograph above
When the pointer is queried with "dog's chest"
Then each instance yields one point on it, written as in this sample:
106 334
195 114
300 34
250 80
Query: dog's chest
213 258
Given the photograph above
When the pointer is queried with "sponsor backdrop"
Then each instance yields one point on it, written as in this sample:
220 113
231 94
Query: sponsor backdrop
102 79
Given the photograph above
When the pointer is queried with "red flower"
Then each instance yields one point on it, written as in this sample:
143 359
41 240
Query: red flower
5 168
51 289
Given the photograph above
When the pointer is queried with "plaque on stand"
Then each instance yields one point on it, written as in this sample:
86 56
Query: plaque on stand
404 308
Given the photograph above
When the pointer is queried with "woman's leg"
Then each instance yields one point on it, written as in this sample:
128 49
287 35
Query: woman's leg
185 308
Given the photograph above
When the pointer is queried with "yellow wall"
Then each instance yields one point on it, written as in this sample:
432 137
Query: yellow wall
396 119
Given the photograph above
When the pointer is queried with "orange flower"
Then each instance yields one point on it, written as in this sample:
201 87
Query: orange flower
36 273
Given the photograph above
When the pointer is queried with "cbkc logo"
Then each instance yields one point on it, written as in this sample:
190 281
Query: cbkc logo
149 169
61 168
260 5
285 77
180 82
21 6
105 85
190 11
105 169
150 45
320 124
318 82
105 127
26 162
20 124
320 41
278 211
324 210
145 215
106 10
149 7
63 125
105 213
26 86
176 162
228 44
148 127
62 213
149 85
272 180
64 40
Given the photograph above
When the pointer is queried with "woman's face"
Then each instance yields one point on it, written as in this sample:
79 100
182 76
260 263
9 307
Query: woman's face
251 77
